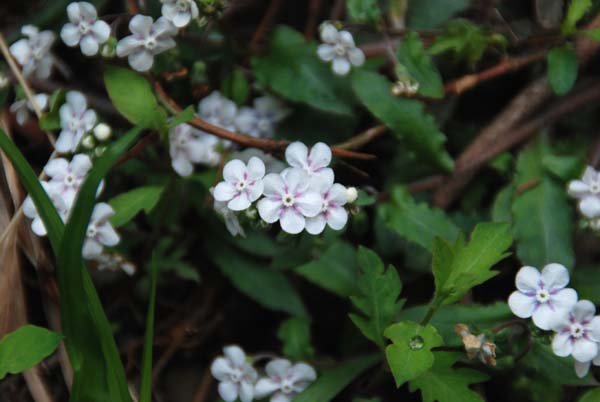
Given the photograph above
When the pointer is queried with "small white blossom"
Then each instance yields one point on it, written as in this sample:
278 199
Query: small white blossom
218 110
284 381
4 81
289 200
102 132
84 29
542 296
75 120
179 12
243 183
351 195
333 213
578 333
22 108
33 52
186 147
30 211
272 164
67 177
339 48
231 220
259 121
100 232
236 377
314 163
148 40
587 191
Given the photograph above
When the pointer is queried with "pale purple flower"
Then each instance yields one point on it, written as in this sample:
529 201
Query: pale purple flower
85 29
99 232
333 213
587 191
260 121
236 377
232 222
147 40
339 49
284 380
179 12
542 296
243 183
289 200
23 107
578 333
33 52
30 210
75 120
186 147
67 177
315 163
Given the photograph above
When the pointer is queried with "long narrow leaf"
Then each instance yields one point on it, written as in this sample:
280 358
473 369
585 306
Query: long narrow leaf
146 387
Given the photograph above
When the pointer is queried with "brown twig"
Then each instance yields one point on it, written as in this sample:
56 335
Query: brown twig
204 388
363 138
265 24
314 6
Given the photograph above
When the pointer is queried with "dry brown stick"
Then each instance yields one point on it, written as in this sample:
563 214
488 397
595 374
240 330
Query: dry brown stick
314 6
246 140
204 388
363 138
265 24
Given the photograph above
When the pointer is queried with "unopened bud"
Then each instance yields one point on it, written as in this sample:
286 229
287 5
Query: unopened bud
100 150
4 81
88 142
351 194
102 132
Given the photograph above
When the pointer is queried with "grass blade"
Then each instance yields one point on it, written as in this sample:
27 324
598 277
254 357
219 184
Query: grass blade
146 387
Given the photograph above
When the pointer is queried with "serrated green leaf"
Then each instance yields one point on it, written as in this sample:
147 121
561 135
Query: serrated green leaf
410 355
331 382
446 384
377 300
406 117
417 223
25 347
129 204
294 333
419 66
460 266
562 69
577 9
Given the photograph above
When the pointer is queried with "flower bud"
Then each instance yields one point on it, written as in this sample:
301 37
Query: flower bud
351 194
102 132
88 142
4 81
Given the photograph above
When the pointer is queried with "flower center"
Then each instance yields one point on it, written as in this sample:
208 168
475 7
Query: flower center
577 330
150 43
241 185
182 5
236 375
181 141
84 27
542 296
595 187
69 179
339 49
92 230
288 200
287 387
38 53
73 125
325 206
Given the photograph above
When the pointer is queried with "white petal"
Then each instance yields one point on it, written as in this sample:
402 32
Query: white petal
555 276
280 397
224 191
296 180
346 39
239 203
169 10
255 190
74 12
76 101
585 350
340 66
337 218
70 34
81 165
338 194
328 33
578 189
356 56
64 142
296 154
108 236
44 68
57 168
246 392
228 391
196 150
163 44
325 52
309 203
164 27
127 45
91 249
88 11
234 171
320 155
278 368
256 168
581 369
594 328
528 279
522 306
102 211
303 372
141 25
561 344
273 185
265 387
181 19
589 175
37 226
182 165
565 299
41 100
544 317
269 210
29 208
292 222
89 45
316 224
220 369
590 206
101 31
583 310
141 60
21 51
235 354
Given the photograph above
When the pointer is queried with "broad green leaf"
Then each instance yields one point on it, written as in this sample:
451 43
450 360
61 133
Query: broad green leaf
146 383
132 95
562 69
332 381
417 222
269 288
405 117
293 70
577 9
428 14
419 65
592 395
336 270
235 86
446 384
363 11
294 333
501 208
557 369
586 279
377 300
410 355
460 266
186 115
129 204
564 167
25 347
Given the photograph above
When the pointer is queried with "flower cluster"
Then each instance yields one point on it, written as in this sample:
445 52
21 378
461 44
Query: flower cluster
84 29
301 197
545 297
338 47
239 379
75 121
33 52
587 192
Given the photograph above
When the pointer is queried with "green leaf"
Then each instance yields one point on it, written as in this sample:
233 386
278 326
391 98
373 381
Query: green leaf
336 270
133 97
460 266
564 167
586 279
129 204
379 290
25 347
410 355
363 11
420 67
331 382
592 395
445 384
51 120
542 360
292 70
269 288
577 9
186 115
235 86
591 33
417 223
562 69
146 383
406 118
428 14
294 333
501 208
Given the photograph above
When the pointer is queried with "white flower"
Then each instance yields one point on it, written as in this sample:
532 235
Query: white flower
23 107
231 220
578 333
351 194
30 211
587 191
75 120
185 148
339 48
148 40
314 163
285 381
582 368
542 296
66 178
218 110
272 164
84 29
33 53
236 376
289 200
179 12
333 213
260 120
99 232
243 184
